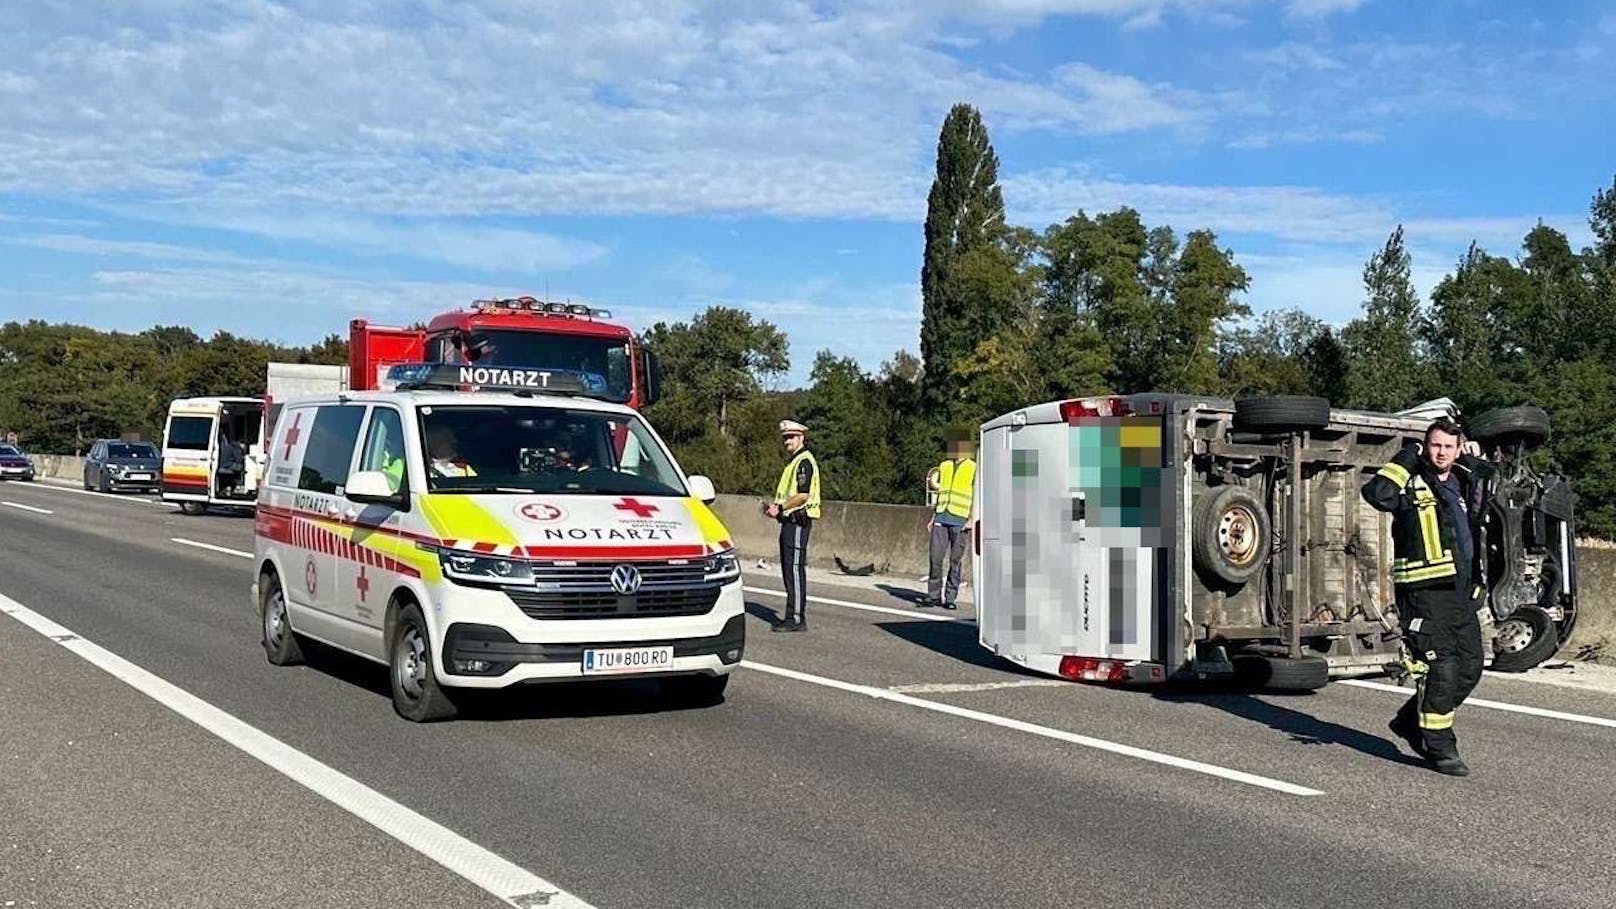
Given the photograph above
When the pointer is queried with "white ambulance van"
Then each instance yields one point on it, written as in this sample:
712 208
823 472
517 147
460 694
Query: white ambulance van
197 472
482 528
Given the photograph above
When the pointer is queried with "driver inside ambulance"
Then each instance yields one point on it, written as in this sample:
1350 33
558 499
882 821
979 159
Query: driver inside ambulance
443 454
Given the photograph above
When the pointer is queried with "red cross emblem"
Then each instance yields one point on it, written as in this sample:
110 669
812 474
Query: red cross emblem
639 508
311 577
292 435
363 584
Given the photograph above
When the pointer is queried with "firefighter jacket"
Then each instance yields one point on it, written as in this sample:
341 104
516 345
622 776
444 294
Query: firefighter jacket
1423 542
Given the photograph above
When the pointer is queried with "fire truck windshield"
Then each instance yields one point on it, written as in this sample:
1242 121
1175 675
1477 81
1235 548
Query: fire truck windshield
603 356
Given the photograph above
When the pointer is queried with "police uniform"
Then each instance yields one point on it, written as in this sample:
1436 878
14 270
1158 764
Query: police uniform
1437 573
800 476
950 534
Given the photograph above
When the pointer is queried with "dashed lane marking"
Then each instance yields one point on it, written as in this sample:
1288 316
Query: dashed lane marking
212 548
1143 754
962 687
507 881
21 507
1494 705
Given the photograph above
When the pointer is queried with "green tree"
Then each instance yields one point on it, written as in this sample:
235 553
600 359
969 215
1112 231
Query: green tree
1204 283
848 430
721 358
1284 352
1383 363
966 274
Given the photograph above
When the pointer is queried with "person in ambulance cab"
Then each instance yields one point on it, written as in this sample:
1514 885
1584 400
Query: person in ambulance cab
443 453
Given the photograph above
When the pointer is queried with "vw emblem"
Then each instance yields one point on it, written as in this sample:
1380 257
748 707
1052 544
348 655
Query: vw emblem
626 579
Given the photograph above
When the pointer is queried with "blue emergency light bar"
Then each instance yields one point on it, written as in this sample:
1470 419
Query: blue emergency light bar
532 380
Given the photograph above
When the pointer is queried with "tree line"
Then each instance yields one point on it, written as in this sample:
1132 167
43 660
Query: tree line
1098 303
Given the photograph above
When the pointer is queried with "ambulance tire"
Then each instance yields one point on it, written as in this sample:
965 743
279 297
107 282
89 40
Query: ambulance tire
1525 639
1506 424
1231 534
281 645
1281 413
1275 673
695 690
417 696
194 508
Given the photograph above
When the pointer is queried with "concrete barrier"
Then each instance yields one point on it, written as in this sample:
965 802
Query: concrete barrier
891 537
59 467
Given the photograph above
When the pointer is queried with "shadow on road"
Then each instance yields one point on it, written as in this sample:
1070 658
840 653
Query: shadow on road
955 641
558 700
907 594
1300 726
760 611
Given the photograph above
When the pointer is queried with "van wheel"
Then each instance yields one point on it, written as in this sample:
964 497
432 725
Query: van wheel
1505 424
280 642
1276 673
1525 639
1281 413
1231 534
194 508
416 694
695 690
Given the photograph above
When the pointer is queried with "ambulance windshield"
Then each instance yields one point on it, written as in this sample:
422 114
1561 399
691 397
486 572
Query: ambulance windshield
604 357
520 449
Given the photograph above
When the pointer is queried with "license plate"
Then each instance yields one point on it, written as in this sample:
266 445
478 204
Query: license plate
138 476
628 659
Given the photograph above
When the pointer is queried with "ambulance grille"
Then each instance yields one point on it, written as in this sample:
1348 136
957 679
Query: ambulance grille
583 590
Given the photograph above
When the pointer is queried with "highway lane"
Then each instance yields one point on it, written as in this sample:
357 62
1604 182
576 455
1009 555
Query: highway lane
796 794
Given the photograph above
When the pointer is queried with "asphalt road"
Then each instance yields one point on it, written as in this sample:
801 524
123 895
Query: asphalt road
877 760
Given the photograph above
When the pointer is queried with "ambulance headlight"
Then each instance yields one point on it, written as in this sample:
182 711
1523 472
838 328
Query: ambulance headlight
484 569
723 568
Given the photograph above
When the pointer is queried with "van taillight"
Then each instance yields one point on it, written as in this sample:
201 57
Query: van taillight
1111 406
1095 669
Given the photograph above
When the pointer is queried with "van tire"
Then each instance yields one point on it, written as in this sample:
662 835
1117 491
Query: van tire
695 690
417 696
193 508
281 646
1281 413
1528 424
1231 534
1531 637
1276 673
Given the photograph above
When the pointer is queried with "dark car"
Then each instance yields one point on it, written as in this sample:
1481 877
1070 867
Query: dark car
14 465
114 465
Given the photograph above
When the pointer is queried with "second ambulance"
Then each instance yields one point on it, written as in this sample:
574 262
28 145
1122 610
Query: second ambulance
482 527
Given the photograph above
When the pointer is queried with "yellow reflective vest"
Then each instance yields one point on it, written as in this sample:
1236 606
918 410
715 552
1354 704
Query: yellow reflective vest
787 487
956 485
1422 538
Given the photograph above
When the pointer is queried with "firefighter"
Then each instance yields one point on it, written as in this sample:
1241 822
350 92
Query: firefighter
796 507
950 524
1437 495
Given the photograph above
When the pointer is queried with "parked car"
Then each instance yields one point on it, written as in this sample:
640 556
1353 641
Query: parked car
114 465
14 465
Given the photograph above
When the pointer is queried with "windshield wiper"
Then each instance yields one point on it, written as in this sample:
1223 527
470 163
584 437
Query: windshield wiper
486 488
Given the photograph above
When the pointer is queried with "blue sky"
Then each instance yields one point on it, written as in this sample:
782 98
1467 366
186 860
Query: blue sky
275 169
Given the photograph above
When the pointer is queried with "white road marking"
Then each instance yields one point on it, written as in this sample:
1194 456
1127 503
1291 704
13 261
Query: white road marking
31 508
866 607
212 548
960 687
1143 754
64 486
1494 705
509 882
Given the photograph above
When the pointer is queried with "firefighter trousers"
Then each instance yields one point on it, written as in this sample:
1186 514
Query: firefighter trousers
1442 631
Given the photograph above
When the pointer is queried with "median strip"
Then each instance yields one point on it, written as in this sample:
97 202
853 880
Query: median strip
1072 738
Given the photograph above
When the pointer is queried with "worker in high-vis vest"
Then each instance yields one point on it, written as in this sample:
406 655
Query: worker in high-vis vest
796 507
954 482
1437 495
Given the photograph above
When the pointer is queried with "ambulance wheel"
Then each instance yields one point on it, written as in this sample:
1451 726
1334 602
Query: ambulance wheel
1231 534
1508 424
1281 413
280 642
695 690
193 508
1276 673
1525 639
416 694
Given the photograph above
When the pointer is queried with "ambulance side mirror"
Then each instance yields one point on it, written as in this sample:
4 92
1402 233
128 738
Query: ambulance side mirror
702 488
371 487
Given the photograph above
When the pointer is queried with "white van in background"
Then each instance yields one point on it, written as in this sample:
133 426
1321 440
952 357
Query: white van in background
199 469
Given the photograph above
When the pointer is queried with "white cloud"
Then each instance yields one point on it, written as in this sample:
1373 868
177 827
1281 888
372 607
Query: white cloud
93 246
1307 136
1316 8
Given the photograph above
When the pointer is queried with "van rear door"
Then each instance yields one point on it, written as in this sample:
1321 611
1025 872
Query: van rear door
188 455
1071 523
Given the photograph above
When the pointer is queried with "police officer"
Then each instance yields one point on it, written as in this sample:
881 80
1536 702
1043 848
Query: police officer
795 506
950 522
1437 495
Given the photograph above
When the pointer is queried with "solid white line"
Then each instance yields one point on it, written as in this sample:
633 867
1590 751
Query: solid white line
505 880
866 607
55 485
1494 705
209 546
1073 738
962 687
28 508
